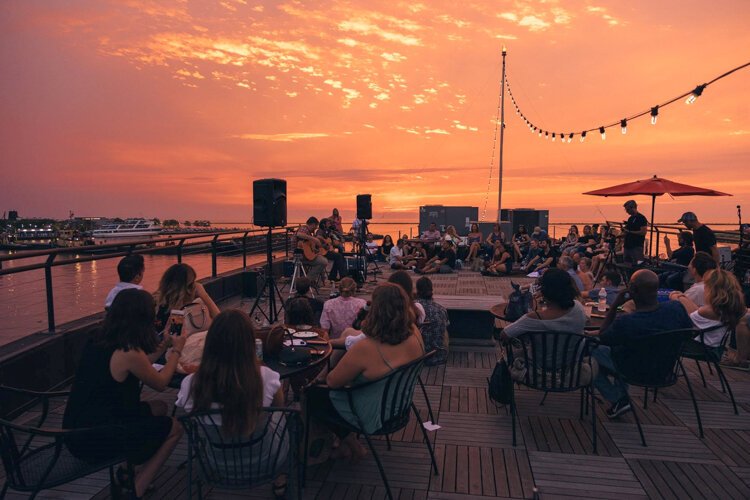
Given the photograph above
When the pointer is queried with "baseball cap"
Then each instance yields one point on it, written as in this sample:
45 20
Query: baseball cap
688 217
630 203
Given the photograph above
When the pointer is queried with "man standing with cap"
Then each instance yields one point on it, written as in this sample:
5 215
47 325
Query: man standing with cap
703 237
635 231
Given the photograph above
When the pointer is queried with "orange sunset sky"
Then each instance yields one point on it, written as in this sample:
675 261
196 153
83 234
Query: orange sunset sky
170 108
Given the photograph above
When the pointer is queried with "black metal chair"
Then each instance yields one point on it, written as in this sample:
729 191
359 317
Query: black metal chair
652 362
700 352
396 405
242 463
553 362
37 458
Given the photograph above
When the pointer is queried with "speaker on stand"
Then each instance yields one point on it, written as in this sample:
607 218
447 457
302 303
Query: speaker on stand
269 210
364 213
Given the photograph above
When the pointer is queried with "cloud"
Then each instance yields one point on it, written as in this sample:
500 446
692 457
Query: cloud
288 137
438 131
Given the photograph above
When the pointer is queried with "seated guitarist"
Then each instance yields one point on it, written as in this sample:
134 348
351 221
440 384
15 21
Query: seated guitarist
334 251
306 237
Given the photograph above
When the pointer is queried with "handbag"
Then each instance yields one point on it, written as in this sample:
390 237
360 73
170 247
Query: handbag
197 317
500 385
192 353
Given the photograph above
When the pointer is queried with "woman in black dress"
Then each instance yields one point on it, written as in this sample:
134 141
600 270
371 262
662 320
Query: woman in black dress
106 390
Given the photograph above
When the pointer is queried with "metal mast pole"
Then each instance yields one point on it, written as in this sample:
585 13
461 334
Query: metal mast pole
502 133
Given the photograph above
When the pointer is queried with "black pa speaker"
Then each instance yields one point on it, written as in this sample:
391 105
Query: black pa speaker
269 202
364 206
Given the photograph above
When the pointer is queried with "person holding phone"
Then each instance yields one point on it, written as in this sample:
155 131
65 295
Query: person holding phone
107 389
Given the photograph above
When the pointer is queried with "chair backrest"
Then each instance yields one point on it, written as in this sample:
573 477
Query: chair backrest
388 398
551 361
651 360
241 462
38 458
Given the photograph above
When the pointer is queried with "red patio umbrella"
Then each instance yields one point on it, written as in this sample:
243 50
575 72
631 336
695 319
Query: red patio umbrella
653 187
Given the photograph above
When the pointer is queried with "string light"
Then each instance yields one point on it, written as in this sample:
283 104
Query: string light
695 94
553 137
570 137
690 97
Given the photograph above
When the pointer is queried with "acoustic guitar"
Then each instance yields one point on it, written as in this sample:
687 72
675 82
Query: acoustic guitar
310 251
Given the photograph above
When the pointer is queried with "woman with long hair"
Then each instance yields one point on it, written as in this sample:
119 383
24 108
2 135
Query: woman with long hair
474 239
391 341
501 263
107 389
178 289
570 241
233 380
724 306
385 248
335 219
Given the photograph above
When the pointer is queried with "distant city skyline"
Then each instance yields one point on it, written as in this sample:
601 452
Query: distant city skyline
170 109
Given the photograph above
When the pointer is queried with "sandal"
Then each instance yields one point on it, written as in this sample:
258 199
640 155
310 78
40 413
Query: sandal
123 485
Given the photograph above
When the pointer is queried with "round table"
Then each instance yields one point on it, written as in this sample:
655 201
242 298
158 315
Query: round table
291 371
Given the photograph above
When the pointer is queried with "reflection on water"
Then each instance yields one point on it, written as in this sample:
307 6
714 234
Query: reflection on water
80 288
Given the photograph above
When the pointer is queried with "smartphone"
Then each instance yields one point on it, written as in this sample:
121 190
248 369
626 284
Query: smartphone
176 320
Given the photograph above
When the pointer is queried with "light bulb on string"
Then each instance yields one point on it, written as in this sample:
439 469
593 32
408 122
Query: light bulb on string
695 94
604 134
654 114
553 137
570 137
624 126
540 132
583 136
546 135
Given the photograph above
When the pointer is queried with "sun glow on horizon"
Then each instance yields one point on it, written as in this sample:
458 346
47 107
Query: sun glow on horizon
170 108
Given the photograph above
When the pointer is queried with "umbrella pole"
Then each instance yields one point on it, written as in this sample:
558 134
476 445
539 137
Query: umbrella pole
651 238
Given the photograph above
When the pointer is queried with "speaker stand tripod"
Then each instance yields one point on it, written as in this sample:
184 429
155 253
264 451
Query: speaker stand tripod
299 271
269 287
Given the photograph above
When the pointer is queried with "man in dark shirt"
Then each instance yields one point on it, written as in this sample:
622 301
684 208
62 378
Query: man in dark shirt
649 317
635 229
444 262
544 258
703 236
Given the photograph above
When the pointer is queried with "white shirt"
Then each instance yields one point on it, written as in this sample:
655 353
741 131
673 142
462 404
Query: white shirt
123 285
395 253
271 385
372 247
712 338
696 294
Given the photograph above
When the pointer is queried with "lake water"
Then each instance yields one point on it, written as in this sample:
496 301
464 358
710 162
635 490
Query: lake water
80 289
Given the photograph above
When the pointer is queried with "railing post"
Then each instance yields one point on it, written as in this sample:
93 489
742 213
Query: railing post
50 295
213 256
244 250
179 251
287 243
658 237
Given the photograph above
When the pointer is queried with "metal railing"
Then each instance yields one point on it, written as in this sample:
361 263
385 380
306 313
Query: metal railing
246 242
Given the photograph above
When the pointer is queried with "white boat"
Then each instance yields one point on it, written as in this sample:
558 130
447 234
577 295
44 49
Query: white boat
131 229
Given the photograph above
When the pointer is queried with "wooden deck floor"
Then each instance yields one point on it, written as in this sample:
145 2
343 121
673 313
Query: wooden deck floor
554 455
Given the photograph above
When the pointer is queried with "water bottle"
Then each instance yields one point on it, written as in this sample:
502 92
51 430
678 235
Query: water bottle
602 306
333 293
